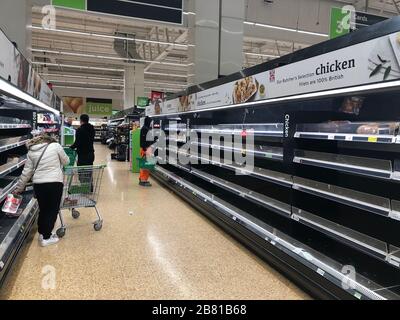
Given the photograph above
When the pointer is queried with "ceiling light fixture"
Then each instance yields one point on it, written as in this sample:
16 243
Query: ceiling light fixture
87 83
285 29
79 77
85 88
86 55
166 84
116 85
166 74
91 34
78 67
261 55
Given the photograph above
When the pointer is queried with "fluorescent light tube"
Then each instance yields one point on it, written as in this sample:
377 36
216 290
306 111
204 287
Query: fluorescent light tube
285 29
91 34
261 55
86 55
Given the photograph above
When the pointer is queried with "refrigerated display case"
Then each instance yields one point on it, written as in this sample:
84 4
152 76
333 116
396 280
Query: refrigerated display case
320 200
24 109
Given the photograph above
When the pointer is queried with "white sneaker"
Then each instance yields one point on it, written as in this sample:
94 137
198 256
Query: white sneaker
52 240
40 238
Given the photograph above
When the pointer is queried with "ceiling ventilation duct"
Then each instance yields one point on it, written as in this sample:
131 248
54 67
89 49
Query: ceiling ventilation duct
126 48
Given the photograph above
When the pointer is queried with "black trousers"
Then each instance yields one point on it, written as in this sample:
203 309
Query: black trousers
85 159
49 197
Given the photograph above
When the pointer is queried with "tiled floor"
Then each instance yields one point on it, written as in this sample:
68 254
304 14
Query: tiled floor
152 246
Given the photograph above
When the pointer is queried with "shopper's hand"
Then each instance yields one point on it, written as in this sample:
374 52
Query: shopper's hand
16 192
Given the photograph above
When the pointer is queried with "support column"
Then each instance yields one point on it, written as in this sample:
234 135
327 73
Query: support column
15 19
204 35
134 84
231 40
216 33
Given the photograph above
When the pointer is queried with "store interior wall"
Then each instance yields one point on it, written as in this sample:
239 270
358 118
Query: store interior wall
15 19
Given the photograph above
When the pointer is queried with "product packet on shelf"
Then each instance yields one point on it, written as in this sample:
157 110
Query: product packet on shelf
11 205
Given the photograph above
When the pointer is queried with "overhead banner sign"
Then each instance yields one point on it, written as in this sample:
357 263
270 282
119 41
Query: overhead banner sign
18 71
95 107
373 61
73 4
345 20
99 107
142 102
160 10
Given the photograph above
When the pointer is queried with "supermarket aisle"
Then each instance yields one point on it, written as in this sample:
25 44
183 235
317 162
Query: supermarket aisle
152 246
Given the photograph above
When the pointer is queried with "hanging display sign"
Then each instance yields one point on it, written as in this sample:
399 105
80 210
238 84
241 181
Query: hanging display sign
142 102
18 71
99 107
159 10
344 20
156 95
96 107
373 61
73 4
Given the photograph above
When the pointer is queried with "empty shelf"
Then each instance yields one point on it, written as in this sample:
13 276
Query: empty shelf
384 132
394 256
11 143
6 187
260 151
364 201
11 166
361 241
359 286
17 227
260 173
261 130
356 165
267 202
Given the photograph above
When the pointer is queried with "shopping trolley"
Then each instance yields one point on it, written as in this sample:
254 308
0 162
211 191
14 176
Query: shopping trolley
81 190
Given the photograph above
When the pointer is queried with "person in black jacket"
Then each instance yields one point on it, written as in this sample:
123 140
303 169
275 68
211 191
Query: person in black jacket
145 150
84 142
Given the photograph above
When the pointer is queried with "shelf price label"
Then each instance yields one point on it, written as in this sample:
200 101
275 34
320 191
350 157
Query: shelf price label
372 139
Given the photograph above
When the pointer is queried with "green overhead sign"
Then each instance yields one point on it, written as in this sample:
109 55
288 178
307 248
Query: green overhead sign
73 4
142 102
340 22
345 20
98 107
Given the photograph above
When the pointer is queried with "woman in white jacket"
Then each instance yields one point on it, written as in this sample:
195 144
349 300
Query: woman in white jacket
48 157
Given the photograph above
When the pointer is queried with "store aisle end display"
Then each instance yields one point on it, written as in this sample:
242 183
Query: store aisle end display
25 108
320 201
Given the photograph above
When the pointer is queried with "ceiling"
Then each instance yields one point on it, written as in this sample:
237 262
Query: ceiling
80 52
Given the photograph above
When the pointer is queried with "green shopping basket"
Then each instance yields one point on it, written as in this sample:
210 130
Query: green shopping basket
71 155
148 164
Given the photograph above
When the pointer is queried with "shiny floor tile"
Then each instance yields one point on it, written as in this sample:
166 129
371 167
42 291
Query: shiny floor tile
152 246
